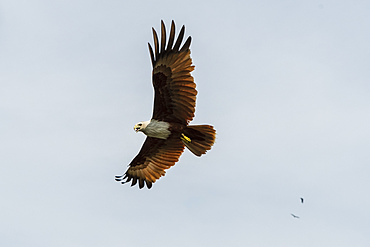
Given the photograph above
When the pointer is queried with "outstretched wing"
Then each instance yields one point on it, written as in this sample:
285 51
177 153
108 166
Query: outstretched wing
156 155
174 87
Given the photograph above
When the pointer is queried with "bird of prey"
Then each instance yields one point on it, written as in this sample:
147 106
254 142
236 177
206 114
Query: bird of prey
168 131
302 200
295 216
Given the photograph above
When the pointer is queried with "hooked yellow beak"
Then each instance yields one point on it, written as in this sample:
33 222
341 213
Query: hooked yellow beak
136 127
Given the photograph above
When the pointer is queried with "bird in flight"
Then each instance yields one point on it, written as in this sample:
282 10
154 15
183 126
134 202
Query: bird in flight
302 200
168 131
295 216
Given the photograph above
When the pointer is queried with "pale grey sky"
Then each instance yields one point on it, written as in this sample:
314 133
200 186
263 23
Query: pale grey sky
285 83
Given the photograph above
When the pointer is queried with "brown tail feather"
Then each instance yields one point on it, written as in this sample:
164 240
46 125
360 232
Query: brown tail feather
199 138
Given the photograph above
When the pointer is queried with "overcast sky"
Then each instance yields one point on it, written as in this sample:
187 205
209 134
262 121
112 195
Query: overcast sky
285 83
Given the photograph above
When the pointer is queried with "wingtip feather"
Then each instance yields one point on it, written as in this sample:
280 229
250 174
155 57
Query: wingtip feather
179 39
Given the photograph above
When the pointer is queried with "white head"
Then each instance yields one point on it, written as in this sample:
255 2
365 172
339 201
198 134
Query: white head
140 126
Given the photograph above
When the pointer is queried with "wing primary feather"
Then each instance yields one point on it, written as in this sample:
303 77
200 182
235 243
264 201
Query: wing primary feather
163 37
156 45
121 178
172 36
134 181
186 45
148 184
179 39
141 183
151 54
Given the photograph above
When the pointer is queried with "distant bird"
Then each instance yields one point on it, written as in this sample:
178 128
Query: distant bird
302 200
168 132
295 216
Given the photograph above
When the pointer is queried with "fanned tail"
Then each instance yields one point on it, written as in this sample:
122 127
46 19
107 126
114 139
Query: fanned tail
199 138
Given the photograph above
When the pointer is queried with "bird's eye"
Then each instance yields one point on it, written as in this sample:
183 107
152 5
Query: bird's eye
140 124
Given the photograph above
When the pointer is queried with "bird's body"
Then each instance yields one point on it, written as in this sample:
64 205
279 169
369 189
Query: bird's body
168 131
155 128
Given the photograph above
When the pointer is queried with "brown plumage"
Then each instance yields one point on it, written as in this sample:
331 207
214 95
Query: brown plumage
174 106
174 87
